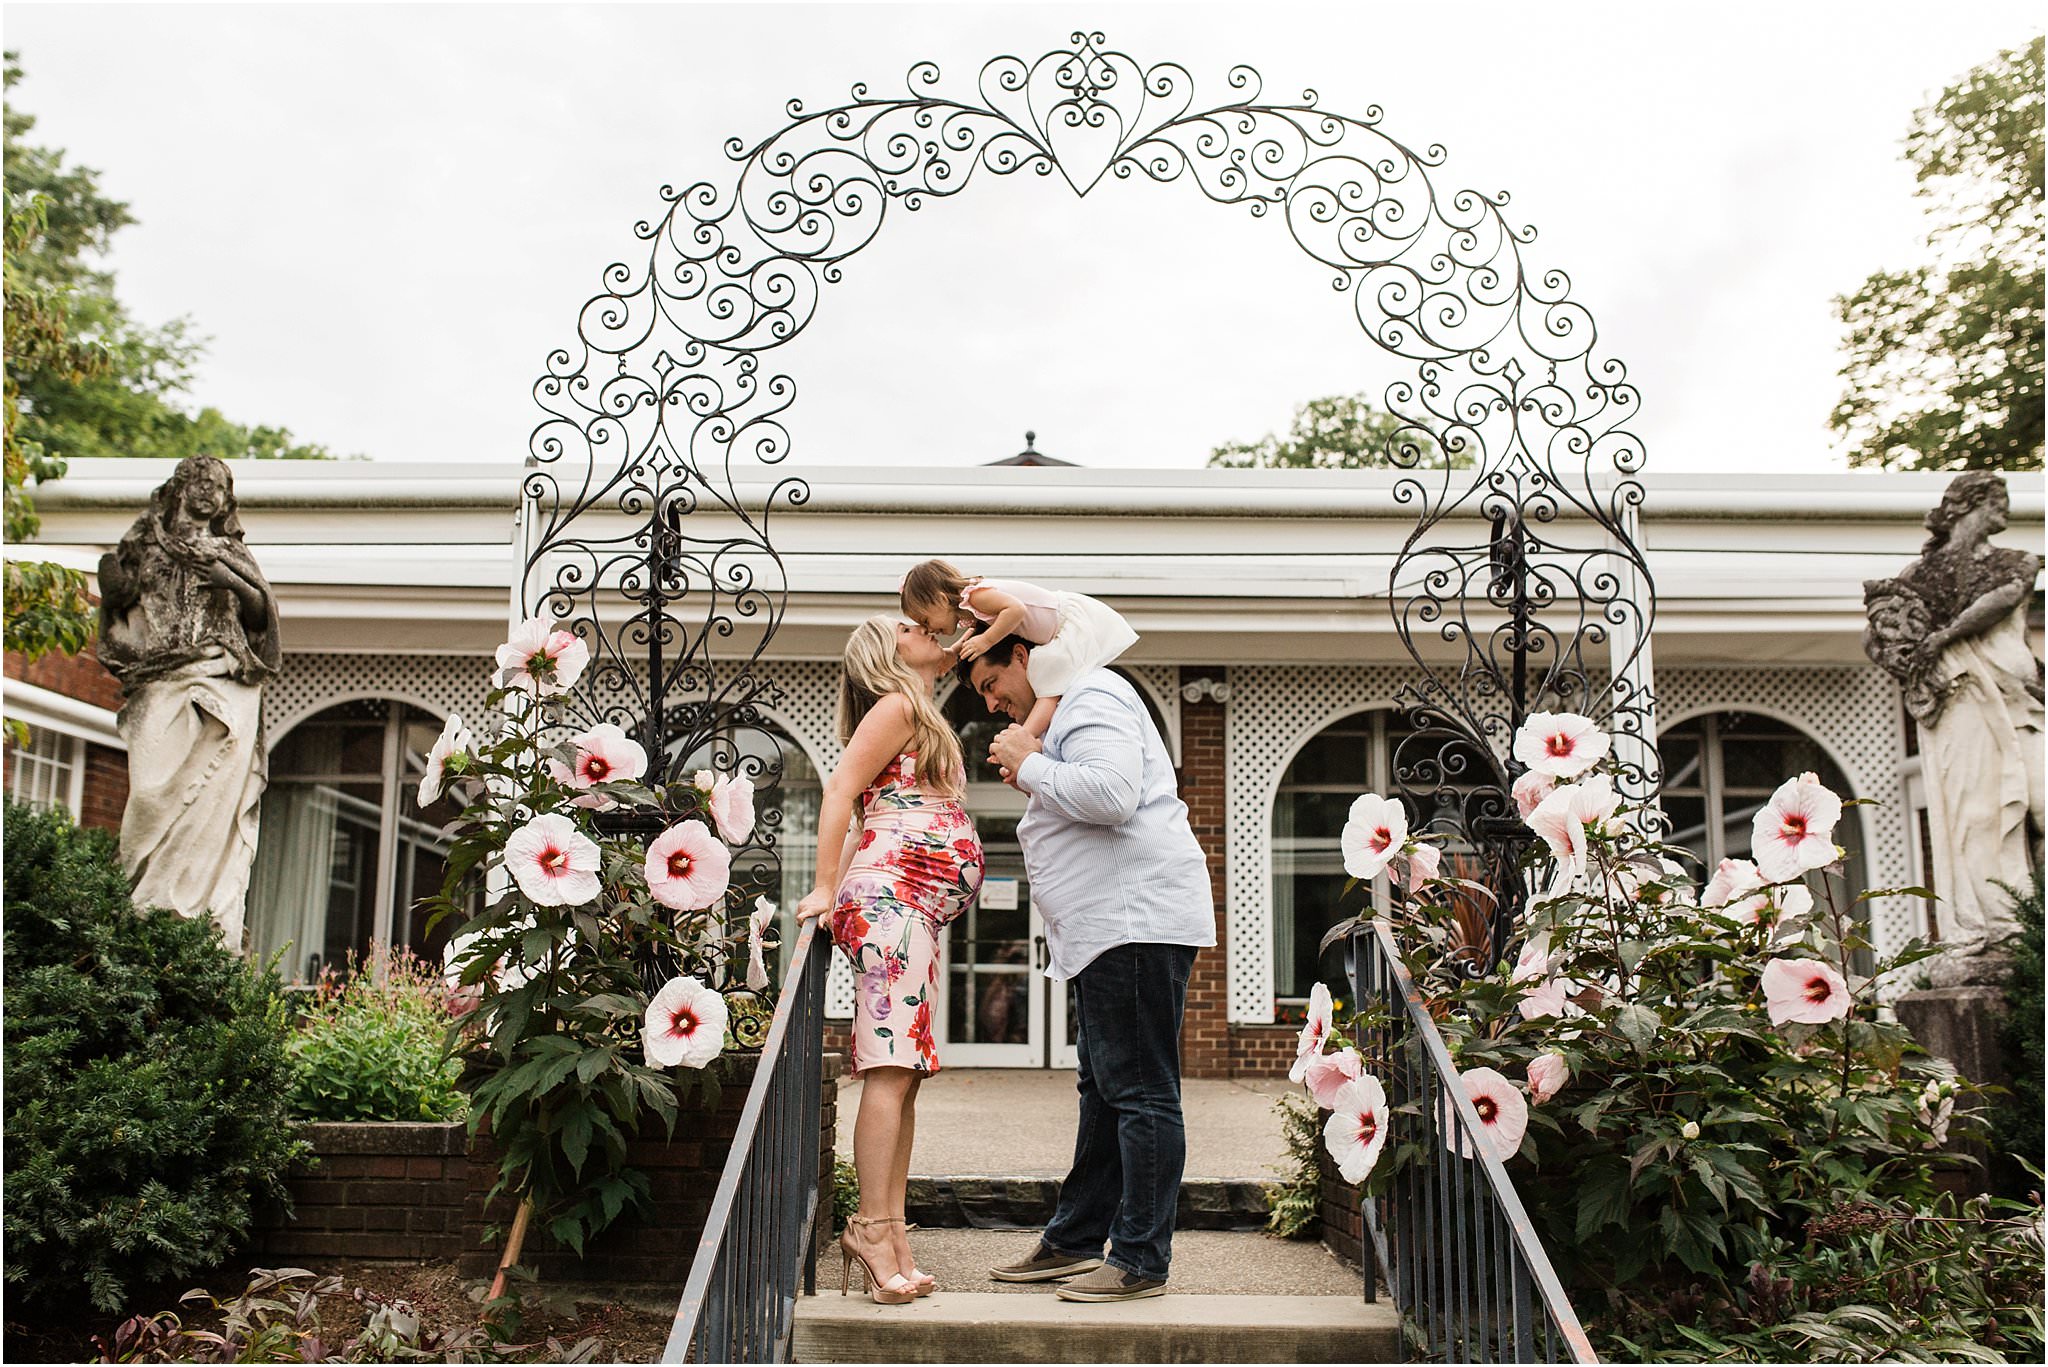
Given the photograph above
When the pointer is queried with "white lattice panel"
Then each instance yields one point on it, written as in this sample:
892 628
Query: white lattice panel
1272 713
308 683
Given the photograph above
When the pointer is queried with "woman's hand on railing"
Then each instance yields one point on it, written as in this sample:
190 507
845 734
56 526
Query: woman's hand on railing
817 902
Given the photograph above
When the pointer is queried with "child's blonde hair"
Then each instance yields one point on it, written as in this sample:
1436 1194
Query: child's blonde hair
873 672
933 584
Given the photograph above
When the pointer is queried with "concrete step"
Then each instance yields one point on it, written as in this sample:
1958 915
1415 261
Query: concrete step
1026 1202
1232 1298
970 1326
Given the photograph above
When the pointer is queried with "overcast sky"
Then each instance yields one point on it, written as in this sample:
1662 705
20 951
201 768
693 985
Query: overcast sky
386 216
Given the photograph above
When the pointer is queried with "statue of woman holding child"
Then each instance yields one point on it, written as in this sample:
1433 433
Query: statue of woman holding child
188 624
1952 628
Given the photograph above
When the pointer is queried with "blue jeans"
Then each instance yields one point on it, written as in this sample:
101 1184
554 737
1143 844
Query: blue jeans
1131 1145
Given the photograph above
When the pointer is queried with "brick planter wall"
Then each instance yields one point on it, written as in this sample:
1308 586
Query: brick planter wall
390 1190
416 1192
682 1174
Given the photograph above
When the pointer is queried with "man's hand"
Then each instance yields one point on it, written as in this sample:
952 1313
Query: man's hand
1010 747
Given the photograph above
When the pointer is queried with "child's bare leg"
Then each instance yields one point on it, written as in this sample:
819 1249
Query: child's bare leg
1040 720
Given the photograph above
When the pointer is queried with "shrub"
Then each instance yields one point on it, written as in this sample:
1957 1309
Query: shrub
2016 1126
1295 1202
845 1191
146 1078
376 1050
1719 1127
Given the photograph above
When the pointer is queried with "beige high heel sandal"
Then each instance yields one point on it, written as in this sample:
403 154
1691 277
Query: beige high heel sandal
924 1282
877 1292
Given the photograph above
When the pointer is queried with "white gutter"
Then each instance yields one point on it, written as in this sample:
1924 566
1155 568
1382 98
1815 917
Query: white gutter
1009 492
66 715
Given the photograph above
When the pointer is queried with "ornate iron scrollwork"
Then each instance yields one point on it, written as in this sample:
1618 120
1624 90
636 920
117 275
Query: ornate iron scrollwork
652 485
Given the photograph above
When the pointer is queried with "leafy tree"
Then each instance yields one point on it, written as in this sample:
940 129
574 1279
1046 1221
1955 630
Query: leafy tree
83 377
1342 432
47 608
1944 363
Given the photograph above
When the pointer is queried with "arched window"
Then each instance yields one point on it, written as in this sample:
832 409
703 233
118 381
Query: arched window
1349 757
344 851
1719 769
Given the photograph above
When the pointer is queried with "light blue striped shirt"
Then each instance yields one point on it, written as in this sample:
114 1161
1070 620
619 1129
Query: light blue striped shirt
1106 840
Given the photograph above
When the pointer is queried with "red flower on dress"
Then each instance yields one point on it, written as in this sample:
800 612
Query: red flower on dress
921 1032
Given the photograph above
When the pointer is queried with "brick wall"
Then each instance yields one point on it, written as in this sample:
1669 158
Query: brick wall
373 1191
1262 1051
106 769
79 676
416 1192
682 1173
106 787
1205 1032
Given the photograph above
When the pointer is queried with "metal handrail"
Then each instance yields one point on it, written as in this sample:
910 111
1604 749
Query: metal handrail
1466 1268
739 1303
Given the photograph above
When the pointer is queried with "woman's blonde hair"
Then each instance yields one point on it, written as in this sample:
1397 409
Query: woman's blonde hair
933 583
872 672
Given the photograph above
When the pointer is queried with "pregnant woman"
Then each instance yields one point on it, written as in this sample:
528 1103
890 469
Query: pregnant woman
907 866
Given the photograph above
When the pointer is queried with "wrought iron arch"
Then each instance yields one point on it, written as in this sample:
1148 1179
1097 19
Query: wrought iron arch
655 472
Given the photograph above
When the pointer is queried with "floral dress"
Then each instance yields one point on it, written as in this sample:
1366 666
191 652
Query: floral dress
918 865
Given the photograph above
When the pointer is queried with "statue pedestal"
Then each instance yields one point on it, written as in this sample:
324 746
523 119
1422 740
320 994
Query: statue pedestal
1960 1024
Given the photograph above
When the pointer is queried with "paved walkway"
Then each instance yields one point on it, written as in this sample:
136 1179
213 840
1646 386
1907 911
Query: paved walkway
1020 1122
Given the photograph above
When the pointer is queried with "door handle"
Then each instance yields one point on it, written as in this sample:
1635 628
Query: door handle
1038 954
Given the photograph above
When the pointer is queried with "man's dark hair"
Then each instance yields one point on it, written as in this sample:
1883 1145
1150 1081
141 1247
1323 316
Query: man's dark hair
1001 653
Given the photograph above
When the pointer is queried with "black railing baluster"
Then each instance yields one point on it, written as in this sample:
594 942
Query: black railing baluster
738 1304
1469 1274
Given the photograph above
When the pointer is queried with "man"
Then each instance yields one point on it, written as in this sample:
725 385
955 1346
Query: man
1124 890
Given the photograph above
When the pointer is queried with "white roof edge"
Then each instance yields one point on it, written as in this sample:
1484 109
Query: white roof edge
43 707
1009 491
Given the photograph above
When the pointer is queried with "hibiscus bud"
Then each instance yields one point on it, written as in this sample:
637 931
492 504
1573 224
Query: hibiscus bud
704 781
1690 1129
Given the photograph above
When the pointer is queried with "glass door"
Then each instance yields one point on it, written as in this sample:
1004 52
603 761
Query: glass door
990 996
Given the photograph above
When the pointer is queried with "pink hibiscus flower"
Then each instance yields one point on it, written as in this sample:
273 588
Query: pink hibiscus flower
1357 1128
685 1025
1566 818
540 660
1503 1114
604 754
1374 832
1548 1074
757 925
1422 864
1315 1032
554 863
1560 744
1327 1073
1534 962
1530 790
732 807
455 740
687 869
1804 990
1795 831
1544 1001
1735 891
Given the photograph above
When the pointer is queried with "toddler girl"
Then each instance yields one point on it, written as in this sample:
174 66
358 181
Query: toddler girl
1070 633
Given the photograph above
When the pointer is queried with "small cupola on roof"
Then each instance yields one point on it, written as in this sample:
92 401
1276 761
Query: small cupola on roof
1030 455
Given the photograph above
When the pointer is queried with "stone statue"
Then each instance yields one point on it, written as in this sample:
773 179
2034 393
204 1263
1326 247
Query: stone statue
188 624
1952 628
